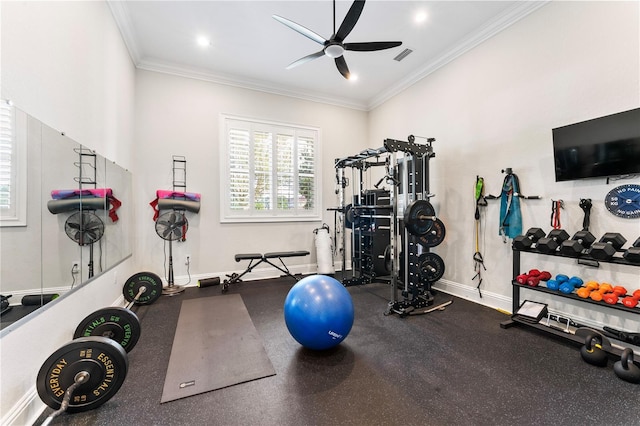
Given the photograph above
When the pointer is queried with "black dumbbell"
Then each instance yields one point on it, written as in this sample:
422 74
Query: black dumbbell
523 242
607 246
552 241
632 254
580 241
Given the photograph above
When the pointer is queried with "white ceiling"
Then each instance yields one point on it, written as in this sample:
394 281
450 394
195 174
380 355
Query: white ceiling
251 49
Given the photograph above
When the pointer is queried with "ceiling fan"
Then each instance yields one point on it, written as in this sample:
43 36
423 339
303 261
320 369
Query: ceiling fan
334 47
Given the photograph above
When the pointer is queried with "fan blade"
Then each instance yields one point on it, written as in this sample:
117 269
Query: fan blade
179 224
166 232
177 232
350 20
93 235
172 217
305 59
342 66
73 225
371 46
302 30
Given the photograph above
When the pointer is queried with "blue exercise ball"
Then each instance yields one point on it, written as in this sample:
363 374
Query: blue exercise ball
318 312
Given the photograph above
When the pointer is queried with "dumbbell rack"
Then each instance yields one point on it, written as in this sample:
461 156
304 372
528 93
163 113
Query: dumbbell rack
516 286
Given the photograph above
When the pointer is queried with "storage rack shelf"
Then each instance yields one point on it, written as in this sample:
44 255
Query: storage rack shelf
516 286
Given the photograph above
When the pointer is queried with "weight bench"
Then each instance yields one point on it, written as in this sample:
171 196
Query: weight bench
256 259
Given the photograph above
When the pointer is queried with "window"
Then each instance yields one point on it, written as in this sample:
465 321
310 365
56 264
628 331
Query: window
13 163
269 171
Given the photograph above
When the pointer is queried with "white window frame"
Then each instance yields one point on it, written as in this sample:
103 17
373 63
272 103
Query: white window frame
272 215
17 132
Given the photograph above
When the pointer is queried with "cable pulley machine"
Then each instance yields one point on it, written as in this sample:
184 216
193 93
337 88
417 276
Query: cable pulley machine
392 231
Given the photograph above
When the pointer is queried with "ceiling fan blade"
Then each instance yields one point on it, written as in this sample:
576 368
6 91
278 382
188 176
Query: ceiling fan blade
342 66
302 30
350 20
305 59
371 46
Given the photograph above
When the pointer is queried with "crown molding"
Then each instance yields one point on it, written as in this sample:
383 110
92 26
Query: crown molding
228 80
498 24
120 15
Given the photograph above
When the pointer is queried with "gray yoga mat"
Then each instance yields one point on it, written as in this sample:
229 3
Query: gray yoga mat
215 346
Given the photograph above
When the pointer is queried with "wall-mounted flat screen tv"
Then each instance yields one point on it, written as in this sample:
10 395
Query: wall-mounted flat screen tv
602 147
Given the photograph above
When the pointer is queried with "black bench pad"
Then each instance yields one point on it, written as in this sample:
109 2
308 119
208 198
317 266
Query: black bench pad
248 256
285 254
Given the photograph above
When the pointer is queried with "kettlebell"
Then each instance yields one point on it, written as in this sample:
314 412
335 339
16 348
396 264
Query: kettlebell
626 369
593 353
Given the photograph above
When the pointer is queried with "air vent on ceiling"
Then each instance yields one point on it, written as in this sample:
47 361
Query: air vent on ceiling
402 55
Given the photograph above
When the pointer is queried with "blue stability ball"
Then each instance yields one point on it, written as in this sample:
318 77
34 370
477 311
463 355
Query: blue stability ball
318 312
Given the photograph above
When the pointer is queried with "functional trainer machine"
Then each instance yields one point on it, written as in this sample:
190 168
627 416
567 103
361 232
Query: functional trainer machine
392 230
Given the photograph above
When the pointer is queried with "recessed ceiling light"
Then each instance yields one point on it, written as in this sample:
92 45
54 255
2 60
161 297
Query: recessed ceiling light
203 41
420 17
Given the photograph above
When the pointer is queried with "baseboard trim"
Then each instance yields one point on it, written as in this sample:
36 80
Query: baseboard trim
26 411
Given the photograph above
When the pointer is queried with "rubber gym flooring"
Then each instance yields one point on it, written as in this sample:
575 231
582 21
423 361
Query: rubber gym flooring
451 367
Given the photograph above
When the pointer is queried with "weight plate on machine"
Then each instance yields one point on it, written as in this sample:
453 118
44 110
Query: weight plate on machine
118 324
418 217
348 216
431 267
387 258
103 359
150 281
434 236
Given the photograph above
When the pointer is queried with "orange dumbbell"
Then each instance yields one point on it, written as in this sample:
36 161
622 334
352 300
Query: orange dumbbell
603 289
587 288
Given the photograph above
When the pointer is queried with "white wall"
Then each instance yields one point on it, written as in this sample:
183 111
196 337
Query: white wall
494 108
65 64
179 116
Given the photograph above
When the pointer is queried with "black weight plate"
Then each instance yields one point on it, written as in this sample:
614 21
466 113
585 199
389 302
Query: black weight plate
387 258
348 216
118 324
431 267
434 236
104 360
150 281
413 217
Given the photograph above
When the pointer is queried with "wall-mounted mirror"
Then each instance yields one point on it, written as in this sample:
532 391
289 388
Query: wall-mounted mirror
76 217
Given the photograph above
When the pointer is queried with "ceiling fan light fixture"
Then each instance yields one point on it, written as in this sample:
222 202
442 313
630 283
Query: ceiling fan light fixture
334 50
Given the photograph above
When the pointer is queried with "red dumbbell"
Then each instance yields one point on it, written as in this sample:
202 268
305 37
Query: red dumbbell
610 298
533 281
633 300
522 278
545 276
619 290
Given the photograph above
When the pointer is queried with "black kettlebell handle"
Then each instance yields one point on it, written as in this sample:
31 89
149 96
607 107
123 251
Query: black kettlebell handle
588 341
626 358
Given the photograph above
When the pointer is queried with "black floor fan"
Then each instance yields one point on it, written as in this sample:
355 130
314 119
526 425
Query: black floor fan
85 228
172 226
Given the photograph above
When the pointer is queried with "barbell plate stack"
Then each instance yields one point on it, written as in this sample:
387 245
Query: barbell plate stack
150 281
431 267
118 324
103 359
419 217
434 236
